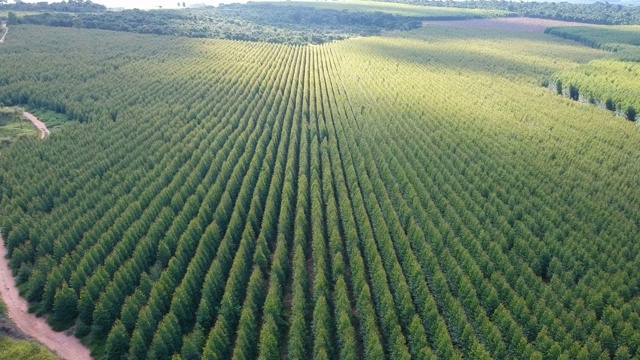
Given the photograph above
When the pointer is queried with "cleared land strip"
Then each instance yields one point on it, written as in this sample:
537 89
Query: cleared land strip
510 24
44 132
5 30
65 346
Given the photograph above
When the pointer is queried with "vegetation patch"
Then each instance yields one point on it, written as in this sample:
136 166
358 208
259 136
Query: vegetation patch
14 127
610 83
13 343
23 350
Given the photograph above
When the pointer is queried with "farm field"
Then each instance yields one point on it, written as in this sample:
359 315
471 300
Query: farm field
424 12
505 23
413 195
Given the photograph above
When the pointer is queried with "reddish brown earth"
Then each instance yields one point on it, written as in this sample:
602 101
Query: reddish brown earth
65 346
510 24
44 132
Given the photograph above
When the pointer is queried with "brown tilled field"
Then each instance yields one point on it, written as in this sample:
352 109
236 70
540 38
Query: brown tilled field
510 24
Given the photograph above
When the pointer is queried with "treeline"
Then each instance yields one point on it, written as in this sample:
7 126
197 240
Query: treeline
611 84
72 6
623 40
595 13
251 22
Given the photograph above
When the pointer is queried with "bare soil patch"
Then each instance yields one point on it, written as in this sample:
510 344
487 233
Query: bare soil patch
510 24
65 346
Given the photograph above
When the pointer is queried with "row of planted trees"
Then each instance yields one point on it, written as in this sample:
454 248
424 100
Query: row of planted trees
243 201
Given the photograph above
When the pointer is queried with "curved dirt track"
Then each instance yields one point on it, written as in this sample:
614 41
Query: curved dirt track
65 346
44 132
5 30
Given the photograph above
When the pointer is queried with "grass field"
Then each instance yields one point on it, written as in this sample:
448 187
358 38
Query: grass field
424 12
13 127
11 348
23 350
413 195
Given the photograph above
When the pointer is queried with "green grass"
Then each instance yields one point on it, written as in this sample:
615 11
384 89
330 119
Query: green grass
13 127
51 118
3 309
4 13
23 350
399 9
15 349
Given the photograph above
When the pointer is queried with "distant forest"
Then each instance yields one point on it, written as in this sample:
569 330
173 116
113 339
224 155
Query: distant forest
250 22
596 13
74 6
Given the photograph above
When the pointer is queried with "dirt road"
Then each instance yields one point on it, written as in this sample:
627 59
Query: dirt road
65 346
5 30
44 132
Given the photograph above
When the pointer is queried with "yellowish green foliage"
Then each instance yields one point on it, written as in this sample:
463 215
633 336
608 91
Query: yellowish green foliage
400 9
613 82
23 350
14 127
603 80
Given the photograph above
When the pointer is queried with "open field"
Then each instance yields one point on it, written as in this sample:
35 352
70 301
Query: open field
427 12
412 195
506 24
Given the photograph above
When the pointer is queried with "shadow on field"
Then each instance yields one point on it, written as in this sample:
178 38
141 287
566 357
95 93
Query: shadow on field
499 53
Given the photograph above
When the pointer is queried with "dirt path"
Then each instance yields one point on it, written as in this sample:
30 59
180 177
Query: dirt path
5 30
44 132
66 346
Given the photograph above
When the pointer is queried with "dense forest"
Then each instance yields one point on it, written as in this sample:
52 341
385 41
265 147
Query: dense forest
73 6
290 23
595 13
240 200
